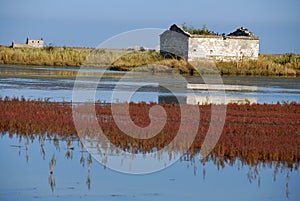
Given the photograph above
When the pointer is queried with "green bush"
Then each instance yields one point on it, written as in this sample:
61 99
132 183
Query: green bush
198 31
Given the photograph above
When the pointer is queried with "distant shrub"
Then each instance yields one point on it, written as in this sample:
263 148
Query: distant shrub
285 58
49 48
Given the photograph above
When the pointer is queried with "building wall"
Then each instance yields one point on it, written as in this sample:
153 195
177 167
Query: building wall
223 48
192 47
17 45
29 44
174 43
35 43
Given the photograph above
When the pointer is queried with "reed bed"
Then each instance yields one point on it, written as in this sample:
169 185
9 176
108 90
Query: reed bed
154 62
50 56
150 61
275 65
253 133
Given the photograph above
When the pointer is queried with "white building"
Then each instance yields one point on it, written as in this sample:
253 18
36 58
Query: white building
234 46
29 44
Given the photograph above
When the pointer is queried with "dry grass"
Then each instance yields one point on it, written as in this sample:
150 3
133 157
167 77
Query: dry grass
50 56
279 65
151 61
123 60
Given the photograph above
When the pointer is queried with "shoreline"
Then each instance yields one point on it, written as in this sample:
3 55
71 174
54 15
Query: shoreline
147 61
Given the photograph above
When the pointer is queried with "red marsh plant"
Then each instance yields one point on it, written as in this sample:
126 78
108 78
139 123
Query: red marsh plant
253 133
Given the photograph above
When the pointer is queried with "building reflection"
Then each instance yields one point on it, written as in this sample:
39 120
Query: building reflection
204 100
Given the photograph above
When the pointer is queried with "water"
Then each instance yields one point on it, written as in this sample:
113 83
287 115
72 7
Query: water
25 175
57 85
26 163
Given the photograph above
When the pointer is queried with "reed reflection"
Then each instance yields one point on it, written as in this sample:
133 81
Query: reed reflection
191 159
82 158
42 142
70 149
51 178
88 181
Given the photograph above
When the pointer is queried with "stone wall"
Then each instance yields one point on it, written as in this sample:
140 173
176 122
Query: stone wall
17 45
174 43
29 44
241 44
223 47
35 43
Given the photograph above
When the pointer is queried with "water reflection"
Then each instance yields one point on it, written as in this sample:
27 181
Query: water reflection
82 159
70 149
88 181
190 159
57 85
202 100
51 178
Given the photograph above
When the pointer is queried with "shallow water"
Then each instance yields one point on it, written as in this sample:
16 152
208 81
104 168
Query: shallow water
25 168
56 84
25 174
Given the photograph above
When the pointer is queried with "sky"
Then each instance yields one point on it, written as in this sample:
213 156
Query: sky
90 22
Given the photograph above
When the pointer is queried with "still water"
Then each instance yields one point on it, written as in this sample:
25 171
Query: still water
25 175
27 162
56 84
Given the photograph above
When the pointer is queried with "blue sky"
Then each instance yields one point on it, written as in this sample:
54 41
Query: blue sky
90 22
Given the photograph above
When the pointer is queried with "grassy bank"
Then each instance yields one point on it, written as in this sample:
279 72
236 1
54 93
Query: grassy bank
279 65
274 65
151 61
50 56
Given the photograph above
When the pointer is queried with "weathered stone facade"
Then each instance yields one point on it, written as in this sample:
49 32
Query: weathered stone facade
235 46
174 43
30 44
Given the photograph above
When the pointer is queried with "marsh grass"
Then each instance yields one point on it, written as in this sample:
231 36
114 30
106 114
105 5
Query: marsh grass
279 65
50 56
151 61
104 57
273 65
124 60
137 58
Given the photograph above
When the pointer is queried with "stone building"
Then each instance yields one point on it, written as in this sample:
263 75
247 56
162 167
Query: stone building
237 45
29 44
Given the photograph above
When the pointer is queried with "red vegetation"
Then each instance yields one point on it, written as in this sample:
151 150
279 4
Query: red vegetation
252 133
